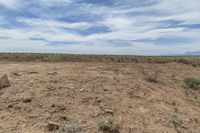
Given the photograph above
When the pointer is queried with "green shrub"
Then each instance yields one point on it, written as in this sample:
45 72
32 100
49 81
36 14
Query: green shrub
108 126
192 83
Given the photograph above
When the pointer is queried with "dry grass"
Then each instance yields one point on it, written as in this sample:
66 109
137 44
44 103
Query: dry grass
77 95
108 126
19 57
153 78
192 83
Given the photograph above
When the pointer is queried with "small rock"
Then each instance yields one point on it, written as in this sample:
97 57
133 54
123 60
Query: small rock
27 99
96 114
32 72
105 89
4 82
32 115
16 74
52 126
52 73
10 105
81 90
109 111
65 118
53 105
98 100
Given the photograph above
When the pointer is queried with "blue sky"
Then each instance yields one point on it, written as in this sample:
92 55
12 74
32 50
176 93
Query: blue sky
137 27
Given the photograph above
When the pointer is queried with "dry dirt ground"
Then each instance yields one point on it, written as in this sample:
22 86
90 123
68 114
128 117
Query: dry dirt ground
78 96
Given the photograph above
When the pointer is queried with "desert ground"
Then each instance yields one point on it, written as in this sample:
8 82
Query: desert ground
98 97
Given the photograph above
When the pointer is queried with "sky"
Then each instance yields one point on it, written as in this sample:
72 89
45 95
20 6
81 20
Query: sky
121 27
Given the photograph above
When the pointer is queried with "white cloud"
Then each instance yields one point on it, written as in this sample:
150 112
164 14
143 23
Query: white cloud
54 2
53 23
10 3
117 23
127 24
16 4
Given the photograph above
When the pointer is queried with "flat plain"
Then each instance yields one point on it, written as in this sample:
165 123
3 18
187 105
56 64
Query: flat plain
97 97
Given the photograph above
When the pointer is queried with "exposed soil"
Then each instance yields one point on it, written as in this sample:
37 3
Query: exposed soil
76 97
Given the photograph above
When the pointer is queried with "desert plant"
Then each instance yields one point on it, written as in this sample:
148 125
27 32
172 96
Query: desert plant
71 129
108 126
192 83
152 78
184 61
175 121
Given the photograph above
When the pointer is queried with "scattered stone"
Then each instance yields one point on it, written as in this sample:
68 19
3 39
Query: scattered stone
105 89
16 74
32 115
27 99
33 72
4 82
81 90
53 105
98 100
96 114
52 126
65 118
53 81
52 73
14 106
10 105
109 111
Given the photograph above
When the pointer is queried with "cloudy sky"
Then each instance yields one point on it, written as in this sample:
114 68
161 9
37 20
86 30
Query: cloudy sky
137 27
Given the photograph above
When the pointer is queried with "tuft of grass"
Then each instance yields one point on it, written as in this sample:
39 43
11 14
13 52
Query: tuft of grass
192 83
175 121
108 126
71 129
153 78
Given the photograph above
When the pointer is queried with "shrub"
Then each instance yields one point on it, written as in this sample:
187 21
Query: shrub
108 126
71 129
152 78
184 61
175 121
192 83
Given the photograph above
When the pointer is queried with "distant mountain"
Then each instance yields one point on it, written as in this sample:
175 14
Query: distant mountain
192 53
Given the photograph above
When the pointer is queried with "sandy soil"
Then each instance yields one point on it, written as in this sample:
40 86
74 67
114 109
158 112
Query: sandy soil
81 95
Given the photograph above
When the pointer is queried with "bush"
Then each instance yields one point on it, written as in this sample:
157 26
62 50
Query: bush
175 121
108 126
184 61
152 78
192 83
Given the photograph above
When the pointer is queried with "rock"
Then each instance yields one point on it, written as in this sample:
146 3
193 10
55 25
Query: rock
109 111
52 73
52 126
10 105
81 90
96 114
53 105
32 115
27 99
32 72
16 74
4 82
